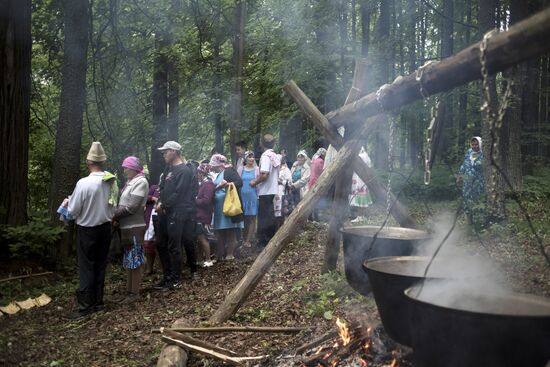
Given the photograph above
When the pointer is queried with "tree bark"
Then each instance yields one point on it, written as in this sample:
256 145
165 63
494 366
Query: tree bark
173 100
463 98
238 64
276 245
68 138
413 138
15 92
174 355
217 104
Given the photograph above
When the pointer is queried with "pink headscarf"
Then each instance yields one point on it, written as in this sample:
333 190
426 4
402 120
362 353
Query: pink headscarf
218 160
132 163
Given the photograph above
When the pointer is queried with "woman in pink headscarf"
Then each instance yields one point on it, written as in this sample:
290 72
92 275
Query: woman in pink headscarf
129 219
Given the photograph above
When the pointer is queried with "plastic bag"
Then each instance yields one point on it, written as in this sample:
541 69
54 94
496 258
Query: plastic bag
231 203
134 257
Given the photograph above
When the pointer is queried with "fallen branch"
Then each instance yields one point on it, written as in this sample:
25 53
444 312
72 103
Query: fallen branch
225 329
25 276
201 343
236 361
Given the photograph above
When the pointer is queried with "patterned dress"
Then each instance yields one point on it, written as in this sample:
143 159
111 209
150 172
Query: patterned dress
473 189
220 220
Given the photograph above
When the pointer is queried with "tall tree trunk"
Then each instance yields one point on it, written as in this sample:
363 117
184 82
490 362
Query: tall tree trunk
238 63
444 125
15 92
173 100
365 26
217 87
160 105
343 30
463 98
382 61
354 28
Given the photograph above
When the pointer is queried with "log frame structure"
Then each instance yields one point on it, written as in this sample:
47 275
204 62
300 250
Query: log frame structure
520 42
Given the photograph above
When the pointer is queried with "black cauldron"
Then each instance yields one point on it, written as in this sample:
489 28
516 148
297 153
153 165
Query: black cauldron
358 247
457 326
390 276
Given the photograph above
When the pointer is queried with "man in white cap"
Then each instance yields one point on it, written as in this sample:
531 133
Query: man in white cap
268 187
89 205
176 212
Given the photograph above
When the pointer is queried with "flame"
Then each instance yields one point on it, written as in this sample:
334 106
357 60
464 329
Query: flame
393 363
363 362
344 332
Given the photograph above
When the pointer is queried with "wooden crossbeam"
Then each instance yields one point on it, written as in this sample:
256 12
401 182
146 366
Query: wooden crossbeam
522 41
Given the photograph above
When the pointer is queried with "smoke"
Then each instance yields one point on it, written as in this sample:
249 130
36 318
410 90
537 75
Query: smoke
462 268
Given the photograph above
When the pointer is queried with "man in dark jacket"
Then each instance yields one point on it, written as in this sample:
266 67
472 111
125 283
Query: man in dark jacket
176 210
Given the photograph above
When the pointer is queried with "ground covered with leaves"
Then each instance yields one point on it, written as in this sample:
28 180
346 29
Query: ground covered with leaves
293 293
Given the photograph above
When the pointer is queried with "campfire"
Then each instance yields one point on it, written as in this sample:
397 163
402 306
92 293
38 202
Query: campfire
359 346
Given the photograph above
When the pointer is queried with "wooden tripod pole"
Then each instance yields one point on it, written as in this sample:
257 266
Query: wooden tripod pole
275 247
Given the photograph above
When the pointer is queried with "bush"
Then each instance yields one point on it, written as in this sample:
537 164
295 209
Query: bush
32 239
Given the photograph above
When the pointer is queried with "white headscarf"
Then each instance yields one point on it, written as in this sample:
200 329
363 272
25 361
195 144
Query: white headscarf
478 138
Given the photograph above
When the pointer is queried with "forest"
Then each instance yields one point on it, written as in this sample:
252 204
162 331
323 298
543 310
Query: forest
212 73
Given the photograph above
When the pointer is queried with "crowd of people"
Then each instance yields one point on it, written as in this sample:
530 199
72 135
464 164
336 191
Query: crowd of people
186 212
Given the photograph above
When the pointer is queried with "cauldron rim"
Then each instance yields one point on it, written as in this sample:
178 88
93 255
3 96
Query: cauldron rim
367 264
400 233
522 297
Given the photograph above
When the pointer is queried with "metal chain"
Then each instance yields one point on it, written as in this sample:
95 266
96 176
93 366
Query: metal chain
495 120
390 143
429 139
390 158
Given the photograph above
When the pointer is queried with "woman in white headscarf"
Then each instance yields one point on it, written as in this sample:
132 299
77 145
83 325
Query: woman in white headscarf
300 173
471 175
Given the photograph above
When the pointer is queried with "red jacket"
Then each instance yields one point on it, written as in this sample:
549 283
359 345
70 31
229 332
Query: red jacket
205 202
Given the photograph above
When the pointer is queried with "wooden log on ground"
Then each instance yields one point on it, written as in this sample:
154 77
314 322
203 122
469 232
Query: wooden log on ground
295 221
232 329
367 174
200 343
522 41
235 361
342 187
25 276
173 355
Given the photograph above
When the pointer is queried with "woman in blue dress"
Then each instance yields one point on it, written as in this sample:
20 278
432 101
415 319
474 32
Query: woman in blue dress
471 175
224 226
249 197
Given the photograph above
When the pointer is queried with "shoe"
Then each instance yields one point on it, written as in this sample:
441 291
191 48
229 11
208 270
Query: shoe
229 258
79 314
162 284
173 285
207 264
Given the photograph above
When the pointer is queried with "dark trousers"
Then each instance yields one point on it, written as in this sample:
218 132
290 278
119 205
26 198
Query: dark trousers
175 231
92 250
266 220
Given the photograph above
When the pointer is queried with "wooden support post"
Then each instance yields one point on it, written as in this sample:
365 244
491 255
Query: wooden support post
275 247
367 174
340 202
522 41
174 355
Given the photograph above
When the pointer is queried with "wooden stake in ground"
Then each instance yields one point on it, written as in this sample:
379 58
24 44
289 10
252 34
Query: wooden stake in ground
295 221
367 174
173 355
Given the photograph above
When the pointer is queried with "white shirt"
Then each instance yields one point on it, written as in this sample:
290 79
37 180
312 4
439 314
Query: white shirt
271 185
89 201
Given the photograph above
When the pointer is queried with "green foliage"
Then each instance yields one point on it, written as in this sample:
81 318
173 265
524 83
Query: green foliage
32 239
332 289
536 187
442 184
